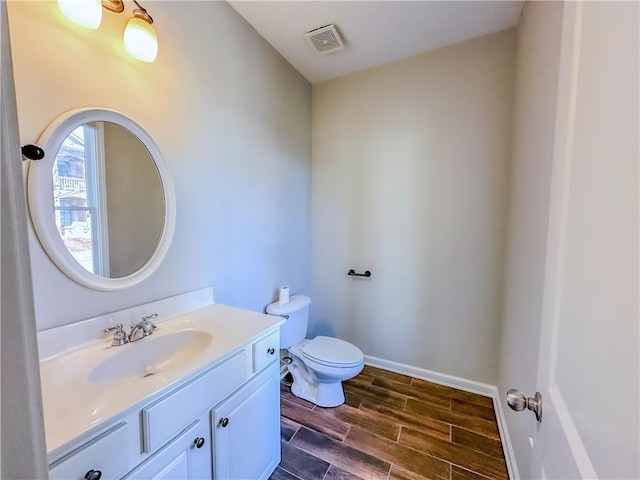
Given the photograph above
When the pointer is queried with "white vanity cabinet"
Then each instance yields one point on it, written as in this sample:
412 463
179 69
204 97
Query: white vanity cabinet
222 423
163 419
246 429
188 456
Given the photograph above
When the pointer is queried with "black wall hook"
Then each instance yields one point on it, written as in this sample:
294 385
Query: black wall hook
32 152
352 273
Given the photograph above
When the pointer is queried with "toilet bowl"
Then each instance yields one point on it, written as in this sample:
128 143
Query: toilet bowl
319 365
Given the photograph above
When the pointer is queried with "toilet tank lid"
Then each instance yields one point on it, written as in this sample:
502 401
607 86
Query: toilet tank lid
296 302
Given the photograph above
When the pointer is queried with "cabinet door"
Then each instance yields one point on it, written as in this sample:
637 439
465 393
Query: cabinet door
246 430
186 457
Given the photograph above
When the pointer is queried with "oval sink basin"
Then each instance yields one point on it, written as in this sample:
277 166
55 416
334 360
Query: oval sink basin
151 355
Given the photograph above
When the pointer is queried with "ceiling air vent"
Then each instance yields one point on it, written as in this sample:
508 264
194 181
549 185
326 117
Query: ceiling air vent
325 39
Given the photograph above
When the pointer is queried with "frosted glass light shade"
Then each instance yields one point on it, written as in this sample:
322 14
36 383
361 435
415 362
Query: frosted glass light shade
140 40
86 13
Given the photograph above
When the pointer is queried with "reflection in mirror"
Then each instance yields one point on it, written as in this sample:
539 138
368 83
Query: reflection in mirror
108 199
101 200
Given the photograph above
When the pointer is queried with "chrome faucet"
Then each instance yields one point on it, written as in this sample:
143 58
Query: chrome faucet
139 330
142 329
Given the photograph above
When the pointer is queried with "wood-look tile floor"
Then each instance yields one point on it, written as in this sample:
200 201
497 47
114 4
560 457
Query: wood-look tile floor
390 427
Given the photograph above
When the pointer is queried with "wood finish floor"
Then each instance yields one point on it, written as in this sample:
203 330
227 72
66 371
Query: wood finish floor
390 427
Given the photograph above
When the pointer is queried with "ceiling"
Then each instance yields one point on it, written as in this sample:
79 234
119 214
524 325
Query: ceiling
374 32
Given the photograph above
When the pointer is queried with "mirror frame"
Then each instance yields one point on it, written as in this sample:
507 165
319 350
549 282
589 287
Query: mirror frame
40 198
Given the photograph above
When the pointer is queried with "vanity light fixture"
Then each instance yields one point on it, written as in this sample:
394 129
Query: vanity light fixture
140 39
86 13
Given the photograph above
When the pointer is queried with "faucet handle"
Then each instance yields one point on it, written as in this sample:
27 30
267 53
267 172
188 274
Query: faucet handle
151 325
146 318
147 325
119 337
118 328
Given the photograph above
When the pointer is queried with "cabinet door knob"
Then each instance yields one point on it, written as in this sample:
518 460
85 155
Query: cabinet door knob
199 442
93 475
223 422
271 351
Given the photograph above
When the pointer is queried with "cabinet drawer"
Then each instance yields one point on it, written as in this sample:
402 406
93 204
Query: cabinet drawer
266 350
167 417
105 453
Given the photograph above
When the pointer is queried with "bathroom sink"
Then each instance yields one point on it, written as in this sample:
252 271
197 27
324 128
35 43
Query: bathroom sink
150 355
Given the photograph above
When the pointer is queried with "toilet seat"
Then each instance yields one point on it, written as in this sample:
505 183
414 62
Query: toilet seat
332 352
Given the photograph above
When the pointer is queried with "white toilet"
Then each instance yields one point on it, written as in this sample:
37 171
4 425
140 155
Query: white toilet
319 365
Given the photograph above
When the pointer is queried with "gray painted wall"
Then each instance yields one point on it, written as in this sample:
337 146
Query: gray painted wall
232 119
410 181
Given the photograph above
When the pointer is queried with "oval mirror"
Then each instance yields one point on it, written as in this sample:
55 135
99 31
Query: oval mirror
101 200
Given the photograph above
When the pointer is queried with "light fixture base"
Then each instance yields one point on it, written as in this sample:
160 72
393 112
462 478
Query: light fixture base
115 6
142 14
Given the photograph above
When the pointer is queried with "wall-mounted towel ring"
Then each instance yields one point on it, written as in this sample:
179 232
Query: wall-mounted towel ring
353 273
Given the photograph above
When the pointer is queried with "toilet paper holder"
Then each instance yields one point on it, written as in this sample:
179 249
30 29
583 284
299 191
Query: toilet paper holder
353 273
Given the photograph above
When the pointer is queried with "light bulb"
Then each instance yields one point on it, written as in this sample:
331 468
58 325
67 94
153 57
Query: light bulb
86 13
140 39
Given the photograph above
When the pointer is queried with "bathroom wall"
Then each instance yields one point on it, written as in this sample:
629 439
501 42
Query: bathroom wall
232 119
537 67
410 180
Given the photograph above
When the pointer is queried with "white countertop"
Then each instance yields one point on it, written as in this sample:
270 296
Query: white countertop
75 407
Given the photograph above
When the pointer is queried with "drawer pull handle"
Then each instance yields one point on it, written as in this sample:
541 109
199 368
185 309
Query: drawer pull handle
271 351
93 475
199 442
223 422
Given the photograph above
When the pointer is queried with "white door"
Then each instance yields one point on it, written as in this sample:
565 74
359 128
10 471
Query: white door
589 361
24 454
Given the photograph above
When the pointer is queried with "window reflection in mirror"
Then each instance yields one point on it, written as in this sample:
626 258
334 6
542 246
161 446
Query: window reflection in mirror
78 172
108 199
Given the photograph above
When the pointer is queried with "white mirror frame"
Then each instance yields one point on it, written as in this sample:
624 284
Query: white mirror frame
40 198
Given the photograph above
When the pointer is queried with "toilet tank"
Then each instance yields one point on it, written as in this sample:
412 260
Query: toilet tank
294 329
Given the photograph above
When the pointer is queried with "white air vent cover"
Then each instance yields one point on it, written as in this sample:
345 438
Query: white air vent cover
325 39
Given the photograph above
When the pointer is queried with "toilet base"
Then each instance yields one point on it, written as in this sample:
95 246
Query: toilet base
317 382
322 394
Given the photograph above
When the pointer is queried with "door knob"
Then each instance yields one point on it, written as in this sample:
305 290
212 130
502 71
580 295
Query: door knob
223 422
518 402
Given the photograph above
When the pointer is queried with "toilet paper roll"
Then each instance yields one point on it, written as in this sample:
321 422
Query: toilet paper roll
284 295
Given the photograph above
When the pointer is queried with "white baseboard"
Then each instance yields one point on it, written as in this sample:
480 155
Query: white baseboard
466 385
460 383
